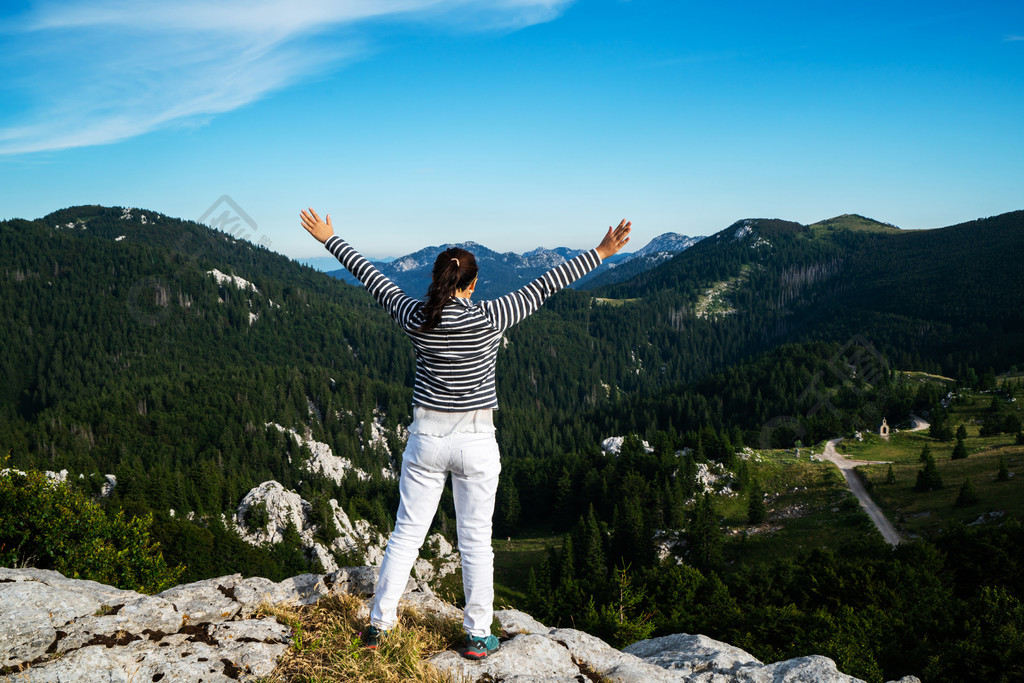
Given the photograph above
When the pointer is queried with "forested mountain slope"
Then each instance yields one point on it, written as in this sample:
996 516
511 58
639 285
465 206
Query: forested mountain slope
105 314
931 299
128 348
123 353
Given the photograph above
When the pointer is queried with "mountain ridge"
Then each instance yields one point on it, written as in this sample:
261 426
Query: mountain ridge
503 272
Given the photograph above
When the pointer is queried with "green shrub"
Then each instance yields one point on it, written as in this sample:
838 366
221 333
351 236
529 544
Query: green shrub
54 526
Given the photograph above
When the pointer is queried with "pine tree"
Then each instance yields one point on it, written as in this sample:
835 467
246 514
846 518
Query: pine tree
1003 474
508 503
539 591
564 496
631 541
890 477
569 593
590 550
928 478
625 617
961 431
706 535
926 453
967 495
960 450
689 475
756 512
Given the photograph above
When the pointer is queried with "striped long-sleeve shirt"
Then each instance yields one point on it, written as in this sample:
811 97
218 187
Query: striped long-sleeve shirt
455 361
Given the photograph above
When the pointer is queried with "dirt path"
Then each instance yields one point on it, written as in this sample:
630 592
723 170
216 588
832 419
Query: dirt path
919 423
846 465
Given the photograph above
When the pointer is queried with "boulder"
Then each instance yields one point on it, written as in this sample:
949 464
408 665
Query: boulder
693 655
514 622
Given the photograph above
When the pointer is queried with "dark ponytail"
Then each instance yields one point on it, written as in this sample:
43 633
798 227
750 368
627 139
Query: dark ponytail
454 269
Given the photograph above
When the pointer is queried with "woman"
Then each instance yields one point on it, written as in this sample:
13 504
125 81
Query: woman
456 343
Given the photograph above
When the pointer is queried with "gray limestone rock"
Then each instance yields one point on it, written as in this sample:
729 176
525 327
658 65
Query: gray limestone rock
354 580
813 668
561 655
514 622
592 654
522 659
36 603
692 654
60 629
205 601
226 652
699 659
145 615
428 603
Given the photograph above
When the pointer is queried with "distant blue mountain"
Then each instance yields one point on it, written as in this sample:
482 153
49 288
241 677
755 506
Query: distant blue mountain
501 273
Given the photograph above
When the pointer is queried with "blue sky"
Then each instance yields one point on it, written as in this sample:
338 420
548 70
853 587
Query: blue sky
513 123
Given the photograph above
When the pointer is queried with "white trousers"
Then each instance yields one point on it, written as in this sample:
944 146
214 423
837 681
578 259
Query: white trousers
474 463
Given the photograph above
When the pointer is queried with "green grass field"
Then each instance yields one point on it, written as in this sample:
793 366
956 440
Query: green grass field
926 513
614 302
513 559
808 506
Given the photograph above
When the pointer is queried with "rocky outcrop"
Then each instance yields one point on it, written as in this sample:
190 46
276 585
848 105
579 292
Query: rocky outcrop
355 538
322 459
284 507
613 445
60 630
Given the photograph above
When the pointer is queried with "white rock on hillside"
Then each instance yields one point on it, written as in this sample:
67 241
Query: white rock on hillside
284 507
322 459
378 434
355 537
63 630
708 478
445 559
225 279
109 484
613 444
53 477
670 543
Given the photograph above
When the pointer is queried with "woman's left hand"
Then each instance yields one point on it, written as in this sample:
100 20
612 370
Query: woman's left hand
316 227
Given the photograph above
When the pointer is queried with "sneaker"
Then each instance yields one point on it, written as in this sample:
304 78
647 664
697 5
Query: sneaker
478 647
372 637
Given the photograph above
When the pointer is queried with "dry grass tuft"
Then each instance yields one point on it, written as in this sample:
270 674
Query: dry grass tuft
326 645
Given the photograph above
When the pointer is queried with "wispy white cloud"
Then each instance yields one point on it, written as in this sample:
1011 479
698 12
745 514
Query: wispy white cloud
88 73
1013 39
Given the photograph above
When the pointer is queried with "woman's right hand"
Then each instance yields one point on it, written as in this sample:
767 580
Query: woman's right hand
318 228
615 240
